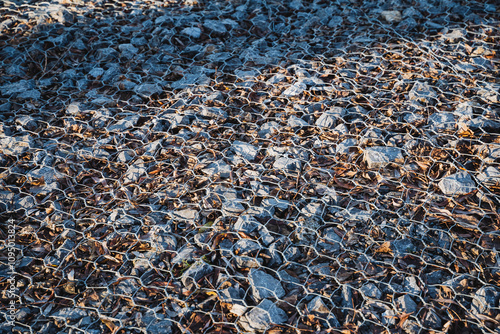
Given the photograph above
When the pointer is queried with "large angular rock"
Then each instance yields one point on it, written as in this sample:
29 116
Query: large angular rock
318 307
194 273
457 184
370 290
381 156
442 121
269 129
295 90
485 300
490 177
262 316
247 151
422 92
406 304
15 145
220 168
287 164
264 285
234 297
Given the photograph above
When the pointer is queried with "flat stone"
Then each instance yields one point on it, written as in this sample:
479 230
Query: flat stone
235 297
295 90
128 50
147 89
346 146
232 208
195 272
457 184
245 150
134 173
277 78
15 145
422 92
391 16
485 300
332 241
124 124
402 246
186 254
127 287
411 285
295 122
264 285
330 118
186 214
259 189
442 121
220 168
287 164
313 209
482 123
432 320
406 304
370 290
262 316
490 177
247 247
381 156
215 26
69 313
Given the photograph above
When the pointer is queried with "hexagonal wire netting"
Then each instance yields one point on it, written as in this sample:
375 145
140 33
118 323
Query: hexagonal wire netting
249 166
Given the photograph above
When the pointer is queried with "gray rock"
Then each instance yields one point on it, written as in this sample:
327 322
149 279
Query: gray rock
329 119
381 156
259 189
165 242
220 168
133 174
403 246
422 92
187 254
313 209
213 112
69 314
354 214
333 242
457 184
370 290
277 78
432 320
194 273
235 297
262 316
186 214
247 247
246 224
273 205
264 285
411 285
146 90
391 16
346 297
128 50
124 124
335 21
482 123
490 177
245 150
295 122
442 121
16 145
232 208
292 253
287 164
318 307
215 26
16 87
406 304
27 122
125 156
127 287
485 300
346 146
295 90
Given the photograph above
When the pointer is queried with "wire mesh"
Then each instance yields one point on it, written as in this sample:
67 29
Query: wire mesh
249 166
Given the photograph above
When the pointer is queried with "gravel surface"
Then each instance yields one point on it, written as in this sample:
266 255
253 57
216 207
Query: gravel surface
250 166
